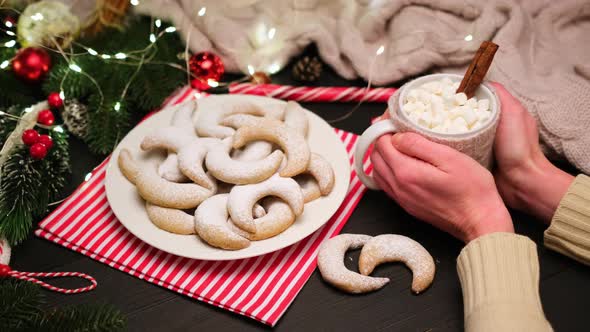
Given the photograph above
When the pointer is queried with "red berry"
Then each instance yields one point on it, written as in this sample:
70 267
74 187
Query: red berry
30 136
47 141
54 100
45 117
38 151
4 270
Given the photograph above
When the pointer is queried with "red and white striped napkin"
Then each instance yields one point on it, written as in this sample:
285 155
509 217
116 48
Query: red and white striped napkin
261 287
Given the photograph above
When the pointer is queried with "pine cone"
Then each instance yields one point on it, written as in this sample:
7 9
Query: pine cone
75 116
308 69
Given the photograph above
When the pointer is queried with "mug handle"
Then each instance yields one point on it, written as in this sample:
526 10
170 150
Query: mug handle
367 138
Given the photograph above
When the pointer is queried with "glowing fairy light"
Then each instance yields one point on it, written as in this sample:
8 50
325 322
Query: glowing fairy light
10 33
58 129
152 38
37 17
4 64
28 109
88 177
202 11
8 24
250 69
274 68
271 33
380 50
62 95
105 56
92 52
134 2
170 29
212 83
158 23
75 68
117 106
10 43
468 38
197 95
121 55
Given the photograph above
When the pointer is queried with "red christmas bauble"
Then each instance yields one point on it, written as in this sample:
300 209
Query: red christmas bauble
54 100
31 64
38 151
46 140
45 117
4 270
30 136
206 66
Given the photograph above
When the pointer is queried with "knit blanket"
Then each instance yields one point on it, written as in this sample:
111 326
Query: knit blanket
542 60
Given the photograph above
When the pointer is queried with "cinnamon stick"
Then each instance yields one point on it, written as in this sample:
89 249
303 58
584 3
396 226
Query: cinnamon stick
478 68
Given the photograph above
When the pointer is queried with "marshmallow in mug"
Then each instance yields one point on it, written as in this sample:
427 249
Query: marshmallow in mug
436 106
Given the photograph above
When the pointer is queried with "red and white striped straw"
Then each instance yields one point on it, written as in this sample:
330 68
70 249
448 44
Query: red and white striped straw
314 94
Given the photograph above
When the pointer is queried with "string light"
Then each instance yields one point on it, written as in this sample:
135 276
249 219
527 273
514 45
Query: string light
134 2
271 33
202 11
250 69
468 38
117 106
58 129
88 177
212 83
75 68
8 24
274 68
380 50
10 43
10 33
4 64
197 95
92 52
105 56
120 55
170 29
158 23
152 38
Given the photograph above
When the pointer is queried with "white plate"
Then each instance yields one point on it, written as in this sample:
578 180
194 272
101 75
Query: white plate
129 207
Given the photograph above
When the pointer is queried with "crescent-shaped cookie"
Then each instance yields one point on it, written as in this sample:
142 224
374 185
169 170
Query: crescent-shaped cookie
291 142
229 170
331 265
309 187
209 119
296 118
254 150
277 219
182 120
168 138
157 190
242 199
212 226
323 173
171 220
397 248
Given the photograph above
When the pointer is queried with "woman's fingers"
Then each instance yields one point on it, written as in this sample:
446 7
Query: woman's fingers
417 146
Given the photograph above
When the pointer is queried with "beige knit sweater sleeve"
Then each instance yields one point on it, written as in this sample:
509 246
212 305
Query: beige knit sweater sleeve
499 275
569 232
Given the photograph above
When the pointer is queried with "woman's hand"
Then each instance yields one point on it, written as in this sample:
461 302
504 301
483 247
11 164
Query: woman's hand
525 178
439 185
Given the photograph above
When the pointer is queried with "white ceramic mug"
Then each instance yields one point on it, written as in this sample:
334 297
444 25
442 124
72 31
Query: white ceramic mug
398 122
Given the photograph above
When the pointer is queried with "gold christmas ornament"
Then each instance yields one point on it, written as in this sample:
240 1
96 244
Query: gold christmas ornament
47 23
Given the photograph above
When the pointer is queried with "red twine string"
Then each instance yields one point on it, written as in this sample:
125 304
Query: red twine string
6 271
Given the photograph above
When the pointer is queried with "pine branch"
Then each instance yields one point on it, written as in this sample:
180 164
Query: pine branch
19 302
85 318
147 88
28 185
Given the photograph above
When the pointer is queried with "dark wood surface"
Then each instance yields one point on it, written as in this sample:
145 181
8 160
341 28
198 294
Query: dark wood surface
565 284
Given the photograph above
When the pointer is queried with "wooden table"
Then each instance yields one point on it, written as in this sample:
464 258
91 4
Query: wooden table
565 284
